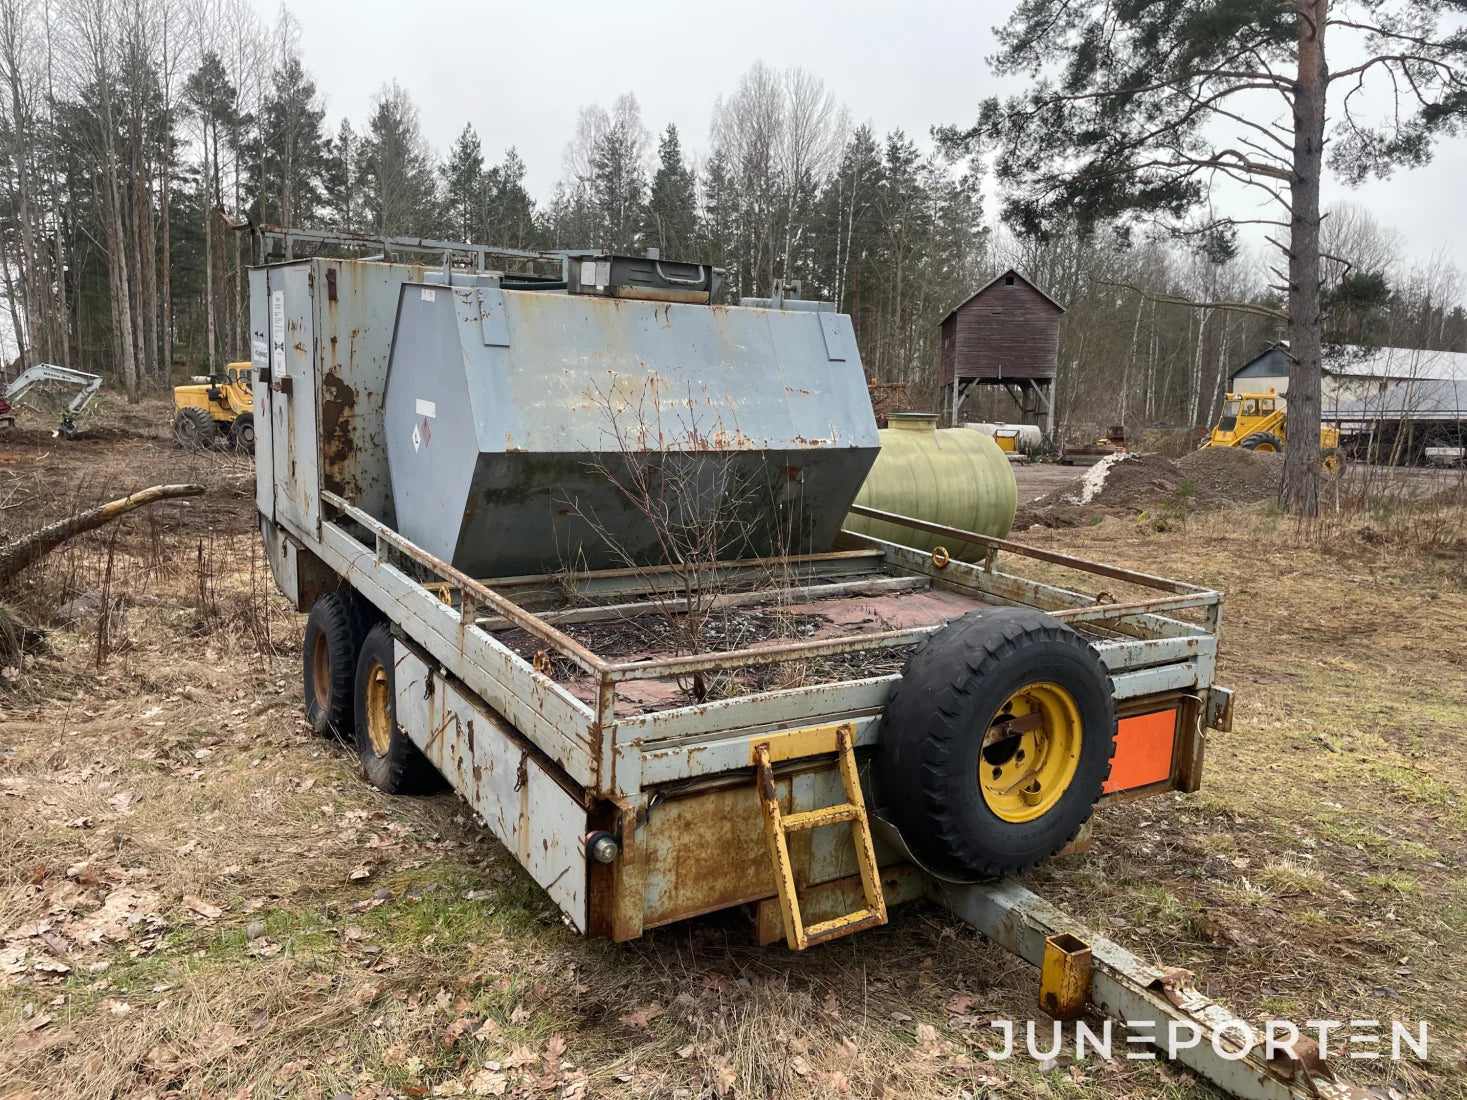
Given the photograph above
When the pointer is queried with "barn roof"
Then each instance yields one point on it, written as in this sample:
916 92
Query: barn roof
1355 361
1426 399
994 281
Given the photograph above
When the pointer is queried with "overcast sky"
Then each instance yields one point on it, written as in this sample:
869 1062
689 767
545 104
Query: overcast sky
520 73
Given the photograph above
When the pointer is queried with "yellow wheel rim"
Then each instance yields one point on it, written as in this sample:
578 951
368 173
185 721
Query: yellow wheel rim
321 669
1332 464
1268 447
379 710
1030 752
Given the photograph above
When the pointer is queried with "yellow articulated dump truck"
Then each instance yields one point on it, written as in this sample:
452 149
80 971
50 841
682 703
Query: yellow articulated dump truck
1259 422
223 407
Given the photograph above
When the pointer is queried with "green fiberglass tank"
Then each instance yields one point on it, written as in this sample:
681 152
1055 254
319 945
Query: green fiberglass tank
953 476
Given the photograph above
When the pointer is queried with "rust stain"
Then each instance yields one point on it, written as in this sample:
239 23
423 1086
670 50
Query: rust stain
338 412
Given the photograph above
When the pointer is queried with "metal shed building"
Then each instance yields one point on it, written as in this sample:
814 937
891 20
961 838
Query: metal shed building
1005 334
1401 423
1349 372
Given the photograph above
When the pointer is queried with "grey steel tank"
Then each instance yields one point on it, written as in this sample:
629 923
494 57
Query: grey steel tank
535 430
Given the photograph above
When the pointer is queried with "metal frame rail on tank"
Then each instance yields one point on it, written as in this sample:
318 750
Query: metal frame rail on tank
631 804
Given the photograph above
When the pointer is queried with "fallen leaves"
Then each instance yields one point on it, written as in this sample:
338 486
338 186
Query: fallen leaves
122 802
34 1041
120 915
521 1055
642 1018
206 909
290 1071
367 993
216 1040
724 1078
488 1082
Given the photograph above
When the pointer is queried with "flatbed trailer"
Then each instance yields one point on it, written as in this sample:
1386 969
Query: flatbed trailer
633 794
550 759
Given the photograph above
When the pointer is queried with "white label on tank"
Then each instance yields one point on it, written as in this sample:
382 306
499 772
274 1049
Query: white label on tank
588 272
417 438
428 408
429 294
603 273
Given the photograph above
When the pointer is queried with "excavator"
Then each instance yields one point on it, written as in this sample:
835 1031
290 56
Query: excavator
1259 422
49 372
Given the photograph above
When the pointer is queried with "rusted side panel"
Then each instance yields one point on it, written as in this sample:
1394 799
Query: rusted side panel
354 345
707 850
900 883
501 777
292 430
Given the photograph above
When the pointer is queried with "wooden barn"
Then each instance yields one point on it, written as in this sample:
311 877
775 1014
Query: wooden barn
1006 335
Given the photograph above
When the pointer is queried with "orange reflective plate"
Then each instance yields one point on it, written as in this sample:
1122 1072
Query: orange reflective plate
1143 751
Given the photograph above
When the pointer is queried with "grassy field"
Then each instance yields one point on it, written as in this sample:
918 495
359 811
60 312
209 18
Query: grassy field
202 899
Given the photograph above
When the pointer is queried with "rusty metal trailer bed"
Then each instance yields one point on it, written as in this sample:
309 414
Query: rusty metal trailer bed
634 804
504 732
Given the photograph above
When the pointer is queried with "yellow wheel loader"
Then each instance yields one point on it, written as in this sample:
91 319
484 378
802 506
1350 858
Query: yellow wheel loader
1259 422
223 407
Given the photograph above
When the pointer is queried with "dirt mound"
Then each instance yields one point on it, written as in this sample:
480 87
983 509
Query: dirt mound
1135 482
1231 475
1126 480
1175 442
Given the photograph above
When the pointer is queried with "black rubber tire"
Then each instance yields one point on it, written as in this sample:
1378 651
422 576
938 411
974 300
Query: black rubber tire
194 428
332 644
951 688
242 433
402 769
1265 440
1326 454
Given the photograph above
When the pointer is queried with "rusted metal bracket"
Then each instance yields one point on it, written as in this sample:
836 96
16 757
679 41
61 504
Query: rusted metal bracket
1157 1006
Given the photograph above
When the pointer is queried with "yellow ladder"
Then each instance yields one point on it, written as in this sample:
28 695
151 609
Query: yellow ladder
795 744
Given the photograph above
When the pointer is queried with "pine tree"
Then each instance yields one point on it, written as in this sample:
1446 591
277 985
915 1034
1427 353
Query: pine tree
293 153
396 169
717 232
464 188
511 211
672 206
618 186
339 179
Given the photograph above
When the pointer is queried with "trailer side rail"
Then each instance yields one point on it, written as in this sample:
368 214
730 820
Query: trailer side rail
1148 653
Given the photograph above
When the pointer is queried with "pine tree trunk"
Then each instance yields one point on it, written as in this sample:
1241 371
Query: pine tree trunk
1299 494
209 254
166 290
135 273
63 310
237 340
13 300
148 253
